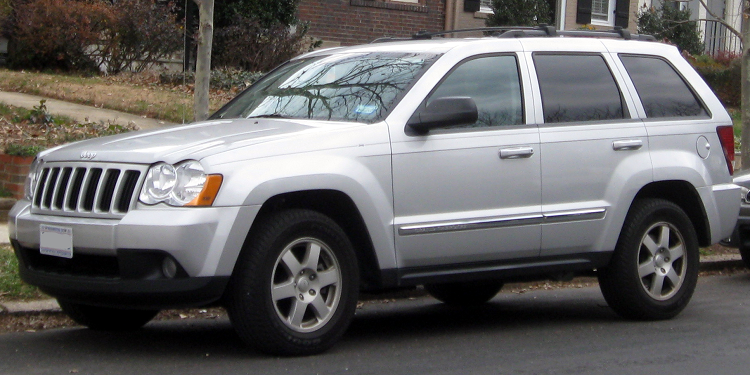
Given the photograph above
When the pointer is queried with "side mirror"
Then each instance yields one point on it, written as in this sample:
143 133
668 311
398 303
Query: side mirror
447 111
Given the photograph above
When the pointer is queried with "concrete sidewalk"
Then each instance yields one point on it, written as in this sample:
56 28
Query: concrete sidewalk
81 113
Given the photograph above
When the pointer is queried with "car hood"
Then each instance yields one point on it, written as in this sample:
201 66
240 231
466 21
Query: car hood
193 141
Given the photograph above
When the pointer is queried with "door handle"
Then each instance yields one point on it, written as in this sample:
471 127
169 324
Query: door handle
632 144
516 152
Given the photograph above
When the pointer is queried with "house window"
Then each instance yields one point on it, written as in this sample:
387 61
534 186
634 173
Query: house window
485 6
601 12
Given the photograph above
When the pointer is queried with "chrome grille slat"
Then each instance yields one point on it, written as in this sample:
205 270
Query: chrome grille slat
51 186
87 189
62 188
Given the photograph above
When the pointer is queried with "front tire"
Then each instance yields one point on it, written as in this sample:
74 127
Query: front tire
295 287
654 269
105 318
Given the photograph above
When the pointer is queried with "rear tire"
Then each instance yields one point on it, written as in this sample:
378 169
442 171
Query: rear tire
105 318
294 289
466 293
654 269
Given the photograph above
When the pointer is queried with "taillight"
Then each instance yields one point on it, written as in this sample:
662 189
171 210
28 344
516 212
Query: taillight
726 137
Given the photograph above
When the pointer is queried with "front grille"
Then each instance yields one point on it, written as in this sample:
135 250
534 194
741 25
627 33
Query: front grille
87 189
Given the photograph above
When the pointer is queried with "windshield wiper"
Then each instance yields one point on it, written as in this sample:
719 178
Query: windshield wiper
270 115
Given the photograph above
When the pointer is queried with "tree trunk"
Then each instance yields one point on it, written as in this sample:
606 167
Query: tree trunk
203 58
745 68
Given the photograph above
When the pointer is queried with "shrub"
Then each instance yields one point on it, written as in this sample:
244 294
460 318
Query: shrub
519 13
267 12
93 35
142 33
248 45
723 74
672 25
57 33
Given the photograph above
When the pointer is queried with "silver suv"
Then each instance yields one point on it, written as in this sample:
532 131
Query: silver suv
457 164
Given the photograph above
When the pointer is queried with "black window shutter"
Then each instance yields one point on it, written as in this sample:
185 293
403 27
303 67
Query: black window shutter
472 5
622 10
583 15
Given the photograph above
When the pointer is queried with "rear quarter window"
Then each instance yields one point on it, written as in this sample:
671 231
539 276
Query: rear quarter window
662 90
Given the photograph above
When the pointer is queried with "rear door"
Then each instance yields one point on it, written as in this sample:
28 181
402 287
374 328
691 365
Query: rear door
592 149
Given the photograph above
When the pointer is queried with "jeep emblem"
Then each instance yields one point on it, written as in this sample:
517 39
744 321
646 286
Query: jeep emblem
88 155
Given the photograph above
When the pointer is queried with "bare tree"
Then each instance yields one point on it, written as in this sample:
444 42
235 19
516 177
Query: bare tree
745 93
203 58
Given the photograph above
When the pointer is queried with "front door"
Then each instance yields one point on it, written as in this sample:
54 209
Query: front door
470 193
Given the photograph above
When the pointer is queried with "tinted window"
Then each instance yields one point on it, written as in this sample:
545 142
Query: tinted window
360 87
494 85
662 91
577 88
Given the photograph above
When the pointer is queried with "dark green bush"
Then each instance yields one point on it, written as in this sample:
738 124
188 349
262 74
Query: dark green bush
723 74
672 25
519 13
249 45
267 12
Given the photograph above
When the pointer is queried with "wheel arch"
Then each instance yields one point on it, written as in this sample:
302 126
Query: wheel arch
684 195
340 208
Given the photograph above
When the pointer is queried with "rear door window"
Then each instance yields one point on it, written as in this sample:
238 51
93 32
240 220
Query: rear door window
577 87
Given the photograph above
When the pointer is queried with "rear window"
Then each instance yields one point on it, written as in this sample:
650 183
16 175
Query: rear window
662 90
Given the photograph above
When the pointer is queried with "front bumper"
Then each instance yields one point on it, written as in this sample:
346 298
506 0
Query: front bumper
118 262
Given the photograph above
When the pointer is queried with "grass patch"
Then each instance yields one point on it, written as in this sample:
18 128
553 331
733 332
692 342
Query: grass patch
5 193
137 94
11 286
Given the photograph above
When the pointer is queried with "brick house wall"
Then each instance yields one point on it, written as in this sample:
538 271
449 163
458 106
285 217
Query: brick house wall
350 22
13 172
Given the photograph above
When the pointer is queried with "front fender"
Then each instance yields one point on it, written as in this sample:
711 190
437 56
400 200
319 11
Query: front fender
363 176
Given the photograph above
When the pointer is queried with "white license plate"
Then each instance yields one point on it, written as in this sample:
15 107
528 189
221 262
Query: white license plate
56 241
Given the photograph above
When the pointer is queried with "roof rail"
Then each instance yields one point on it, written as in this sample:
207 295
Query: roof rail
542 30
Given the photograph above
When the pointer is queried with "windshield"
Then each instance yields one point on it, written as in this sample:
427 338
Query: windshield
359 87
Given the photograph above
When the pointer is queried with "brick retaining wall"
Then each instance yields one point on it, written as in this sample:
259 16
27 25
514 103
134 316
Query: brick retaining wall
13 172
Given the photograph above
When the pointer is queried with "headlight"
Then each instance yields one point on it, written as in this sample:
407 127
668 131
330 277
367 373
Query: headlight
745 195
30 185
185 184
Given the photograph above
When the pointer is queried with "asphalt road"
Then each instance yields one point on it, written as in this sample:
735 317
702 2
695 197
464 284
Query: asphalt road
567 331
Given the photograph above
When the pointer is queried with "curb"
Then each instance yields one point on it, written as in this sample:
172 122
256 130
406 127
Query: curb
50 305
